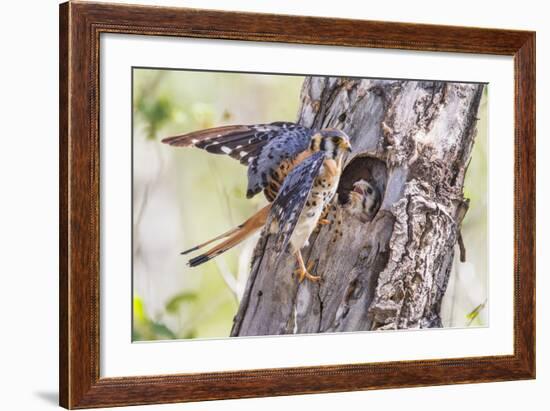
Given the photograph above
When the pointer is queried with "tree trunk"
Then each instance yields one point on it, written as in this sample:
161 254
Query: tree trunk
413 140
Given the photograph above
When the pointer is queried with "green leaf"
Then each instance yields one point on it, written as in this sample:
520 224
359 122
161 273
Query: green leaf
173 305
156 113
139 311
475 312
136 335
162 331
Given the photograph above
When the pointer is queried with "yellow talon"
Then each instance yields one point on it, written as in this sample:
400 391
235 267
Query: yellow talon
303 272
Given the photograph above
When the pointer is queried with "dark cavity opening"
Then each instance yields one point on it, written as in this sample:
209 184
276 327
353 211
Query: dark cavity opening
366 168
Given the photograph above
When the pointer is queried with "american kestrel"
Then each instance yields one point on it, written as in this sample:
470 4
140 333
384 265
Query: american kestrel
362 203
364 200
298 170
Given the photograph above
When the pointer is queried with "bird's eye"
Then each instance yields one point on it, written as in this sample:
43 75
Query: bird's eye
369 190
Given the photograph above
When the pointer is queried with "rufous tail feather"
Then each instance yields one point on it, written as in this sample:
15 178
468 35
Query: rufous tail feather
234 236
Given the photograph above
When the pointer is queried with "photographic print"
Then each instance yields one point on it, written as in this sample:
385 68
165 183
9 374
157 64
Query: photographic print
270 204
295 186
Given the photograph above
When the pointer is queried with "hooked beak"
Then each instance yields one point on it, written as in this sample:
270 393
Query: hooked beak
348 147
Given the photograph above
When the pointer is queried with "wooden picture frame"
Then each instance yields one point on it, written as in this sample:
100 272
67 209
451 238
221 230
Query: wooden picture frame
80 27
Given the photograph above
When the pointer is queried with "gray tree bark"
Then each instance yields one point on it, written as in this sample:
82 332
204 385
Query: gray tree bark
413 140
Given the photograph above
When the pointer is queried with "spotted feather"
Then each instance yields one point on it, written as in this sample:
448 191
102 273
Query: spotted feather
262 147
289 203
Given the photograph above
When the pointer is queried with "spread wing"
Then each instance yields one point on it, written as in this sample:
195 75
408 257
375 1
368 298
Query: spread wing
292 196
260 146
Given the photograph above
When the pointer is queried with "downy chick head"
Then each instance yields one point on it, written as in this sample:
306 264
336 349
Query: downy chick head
364 201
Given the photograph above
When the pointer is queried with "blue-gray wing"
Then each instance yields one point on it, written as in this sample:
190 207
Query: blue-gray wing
290 201
291 140
260 146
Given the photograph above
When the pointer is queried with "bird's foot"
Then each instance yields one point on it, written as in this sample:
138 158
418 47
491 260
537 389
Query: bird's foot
303 272
324 221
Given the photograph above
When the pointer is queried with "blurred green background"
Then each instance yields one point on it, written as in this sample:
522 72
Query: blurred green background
184 197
